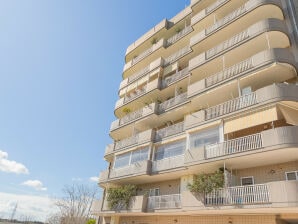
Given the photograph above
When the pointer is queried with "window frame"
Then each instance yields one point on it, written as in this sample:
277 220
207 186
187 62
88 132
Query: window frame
252 177
296 174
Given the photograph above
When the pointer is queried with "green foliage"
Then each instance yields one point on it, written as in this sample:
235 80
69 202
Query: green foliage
120 196
153 41
206 183
91 221
126 110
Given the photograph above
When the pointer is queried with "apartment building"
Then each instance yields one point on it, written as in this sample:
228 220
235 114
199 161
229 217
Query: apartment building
214 87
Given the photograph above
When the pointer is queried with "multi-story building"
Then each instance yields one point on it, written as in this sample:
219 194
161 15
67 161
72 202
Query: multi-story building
215 86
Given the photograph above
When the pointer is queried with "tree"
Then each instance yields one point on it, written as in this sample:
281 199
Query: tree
75 206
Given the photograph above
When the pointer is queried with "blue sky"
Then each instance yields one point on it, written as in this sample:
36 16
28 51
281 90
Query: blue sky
60 68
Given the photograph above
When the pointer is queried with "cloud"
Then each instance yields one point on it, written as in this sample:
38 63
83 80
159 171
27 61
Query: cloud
93 179
38 208
36 184
76 179
10 166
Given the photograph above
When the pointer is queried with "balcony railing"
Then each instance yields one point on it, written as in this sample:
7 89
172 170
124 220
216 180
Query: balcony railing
164 201
126 142
168 131
138 74
229 72
142 55
230 106
226 19
173 78
178 36
135 94
249 194
172 102
169 60
168 163
227 44
238 145
215 5
131 116
131 170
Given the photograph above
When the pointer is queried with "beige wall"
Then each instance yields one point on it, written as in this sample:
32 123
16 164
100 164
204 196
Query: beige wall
165 188
266 173
198 220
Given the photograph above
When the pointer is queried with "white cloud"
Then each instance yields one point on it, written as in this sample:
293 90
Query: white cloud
93 179
10 166
36 184
36 207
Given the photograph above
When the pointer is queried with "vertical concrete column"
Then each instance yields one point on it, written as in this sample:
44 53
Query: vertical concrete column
184 182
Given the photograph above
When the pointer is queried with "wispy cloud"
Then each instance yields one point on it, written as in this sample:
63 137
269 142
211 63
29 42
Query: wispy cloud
10 166
36 184
93 179
35 207
77 179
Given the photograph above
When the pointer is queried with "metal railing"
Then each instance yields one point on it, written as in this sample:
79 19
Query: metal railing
215 5
230 106
178 36
168 163
164 201
229 72
136 93
131 116
241 195
172 102
168 131
141 56
173 78
138 74
175 56
126 142
226 19
237 145
130 170
227 44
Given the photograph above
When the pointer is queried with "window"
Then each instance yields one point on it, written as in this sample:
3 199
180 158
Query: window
203 138
170 150
247 181
293 175
154 192
246 90
129 158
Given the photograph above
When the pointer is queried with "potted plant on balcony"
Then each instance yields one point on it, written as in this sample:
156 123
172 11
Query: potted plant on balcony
203 184
126 110
118 198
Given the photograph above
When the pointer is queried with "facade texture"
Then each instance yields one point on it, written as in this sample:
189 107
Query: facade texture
213 88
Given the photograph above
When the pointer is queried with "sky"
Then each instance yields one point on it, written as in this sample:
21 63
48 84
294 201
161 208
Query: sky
60 68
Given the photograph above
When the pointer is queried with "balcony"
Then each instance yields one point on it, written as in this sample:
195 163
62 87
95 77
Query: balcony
247 36
138 204
175 77
138 92
178 36
265 95
163 107
179 54
103 176
136 139
240 195
133 116
168 163
172 201
136 169
277 138
169 131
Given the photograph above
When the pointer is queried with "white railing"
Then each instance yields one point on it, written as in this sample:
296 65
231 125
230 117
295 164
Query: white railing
179 35
136 93
177 55
142 55
215 5
131 116
227 44
172 102
132 169
168 131
164 201
173 78
230 106
249 194
126 142
229 72
226 19
138 74
238 145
